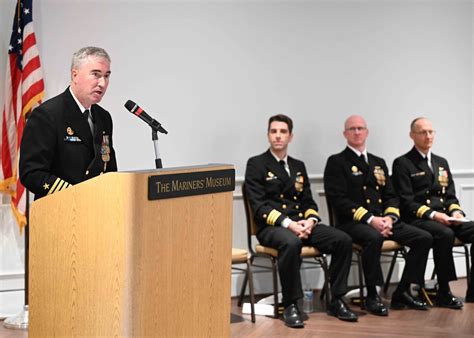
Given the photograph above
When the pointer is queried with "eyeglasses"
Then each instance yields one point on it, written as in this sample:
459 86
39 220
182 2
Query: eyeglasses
354 129
425 132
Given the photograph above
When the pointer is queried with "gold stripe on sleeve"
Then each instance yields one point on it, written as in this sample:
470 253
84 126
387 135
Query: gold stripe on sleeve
273 216
454 206
360 212
421 210
54 186
392 210
310 212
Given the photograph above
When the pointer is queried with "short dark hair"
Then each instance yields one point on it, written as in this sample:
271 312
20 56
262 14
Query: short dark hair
281 118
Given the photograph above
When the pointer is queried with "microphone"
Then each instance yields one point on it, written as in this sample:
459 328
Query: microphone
133 108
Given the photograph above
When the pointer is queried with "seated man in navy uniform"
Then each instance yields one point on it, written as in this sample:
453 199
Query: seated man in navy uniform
68 139
360 191
428 200
287 217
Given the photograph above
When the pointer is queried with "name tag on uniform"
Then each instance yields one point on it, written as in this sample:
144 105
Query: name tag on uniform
72 139
421 173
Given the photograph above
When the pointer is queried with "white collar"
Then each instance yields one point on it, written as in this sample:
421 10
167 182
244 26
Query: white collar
427 156
358 153
285 159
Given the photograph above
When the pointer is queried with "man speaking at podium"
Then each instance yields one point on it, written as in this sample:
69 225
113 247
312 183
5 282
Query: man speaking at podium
68 139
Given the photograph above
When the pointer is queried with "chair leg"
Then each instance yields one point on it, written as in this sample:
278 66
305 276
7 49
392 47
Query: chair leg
244 286
468 270
326 290
361 280
275 287
390 270
251 290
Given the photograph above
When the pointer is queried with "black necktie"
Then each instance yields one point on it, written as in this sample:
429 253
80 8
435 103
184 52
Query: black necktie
88 117
362 157
428 162
283 164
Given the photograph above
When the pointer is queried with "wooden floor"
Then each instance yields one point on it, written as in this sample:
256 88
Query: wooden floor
436 322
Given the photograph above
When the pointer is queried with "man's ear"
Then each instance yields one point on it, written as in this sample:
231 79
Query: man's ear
73 74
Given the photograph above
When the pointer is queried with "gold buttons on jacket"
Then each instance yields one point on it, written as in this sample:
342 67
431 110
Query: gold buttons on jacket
442 200
427 192
264 216
87 172
380 200
297 206
295 198
284 206
428 201
281 195
364 187
300 214
377 187
368 201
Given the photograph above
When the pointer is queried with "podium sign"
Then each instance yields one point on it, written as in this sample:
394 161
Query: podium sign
190 184
105 260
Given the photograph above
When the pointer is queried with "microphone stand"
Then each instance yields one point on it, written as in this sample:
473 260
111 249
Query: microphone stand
154 137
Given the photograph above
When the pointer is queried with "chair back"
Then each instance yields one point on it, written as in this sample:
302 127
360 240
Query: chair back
250 217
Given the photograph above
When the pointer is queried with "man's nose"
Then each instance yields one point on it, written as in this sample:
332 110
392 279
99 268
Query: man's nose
101 81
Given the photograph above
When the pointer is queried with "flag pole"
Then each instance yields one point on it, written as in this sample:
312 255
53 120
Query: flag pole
20 321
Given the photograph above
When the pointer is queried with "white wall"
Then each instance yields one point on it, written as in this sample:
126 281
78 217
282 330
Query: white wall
214 71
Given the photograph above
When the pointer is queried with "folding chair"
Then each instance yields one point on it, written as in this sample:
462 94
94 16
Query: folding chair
309 254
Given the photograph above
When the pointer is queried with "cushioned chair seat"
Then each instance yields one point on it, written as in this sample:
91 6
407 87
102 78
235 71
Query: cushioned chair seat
306 251
387 246
239 256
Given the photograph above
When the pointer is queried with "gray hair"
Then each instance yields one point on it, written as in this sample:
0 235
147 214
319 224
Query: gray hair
82 54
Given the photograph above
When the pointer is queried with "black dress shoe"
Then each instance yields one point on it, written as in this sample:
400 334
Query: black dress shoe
338 308
403 300
292 316
375 306
446 299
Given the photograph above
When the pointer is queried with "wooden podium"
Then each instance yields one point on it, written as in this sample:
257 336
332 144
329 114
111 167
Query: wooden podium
105 260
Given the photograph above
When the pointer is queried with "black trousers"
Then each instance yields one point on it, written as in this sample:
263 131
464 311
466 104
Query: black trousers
443 240
371 240
326 239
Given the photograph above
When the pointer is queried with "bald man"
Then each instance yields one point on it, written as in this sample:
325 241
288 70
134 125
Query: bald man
425 185
358 187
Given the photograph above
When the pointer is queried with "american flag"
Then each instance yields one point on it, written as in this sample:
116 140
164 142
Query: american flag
24 90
